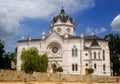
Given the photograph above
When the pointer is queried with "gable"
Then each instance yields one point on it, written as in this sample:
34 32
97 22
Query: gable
54 37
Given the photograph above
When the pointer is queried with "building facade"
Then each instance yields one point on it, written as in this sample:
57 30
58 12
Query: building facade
75 54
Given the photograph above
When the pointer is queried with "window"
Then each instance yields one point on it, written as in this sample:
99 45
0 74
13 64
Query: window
99 55
86 64
23 49
103 54
86 54
58 29
74 52
74 67
68 30
94 55
55 49
95 66
103 67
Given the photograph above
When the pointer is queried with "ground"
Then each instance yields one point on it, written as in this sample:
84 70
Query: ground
52 83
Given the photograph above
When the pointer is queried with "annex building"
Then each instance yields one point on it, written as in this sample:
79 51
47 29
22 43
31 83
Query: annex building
74 53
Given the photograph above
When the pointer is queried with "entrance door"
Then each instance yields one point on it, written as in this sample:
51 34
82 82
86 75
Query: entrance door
54 68
86 71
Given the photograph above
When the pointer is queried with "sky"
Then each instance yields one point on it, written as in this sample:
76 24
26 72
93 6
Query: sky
20 18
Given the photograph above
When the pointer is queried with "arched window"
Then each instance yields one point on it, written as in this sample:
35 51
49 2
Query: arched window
74 67
103 54
103 67
74 52
94 55
95 66
99 55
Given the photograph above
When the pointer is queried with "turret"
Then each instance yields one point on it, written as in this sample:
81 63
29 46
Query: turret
43 35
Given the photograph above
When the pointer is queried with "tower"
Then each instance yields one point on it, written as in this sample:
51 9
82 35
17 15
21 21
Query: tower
63 24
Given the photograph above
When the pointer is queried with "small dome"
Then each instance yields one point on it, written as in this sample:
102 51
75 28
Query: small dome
63 17
43 33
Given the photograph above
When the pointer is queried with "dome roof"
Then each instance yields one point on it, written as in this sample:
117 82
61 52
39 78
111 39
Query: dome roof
63 17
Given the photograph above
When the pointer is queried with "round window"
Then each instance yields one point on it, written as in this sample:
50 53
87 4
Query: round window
55 49
68 29
58 29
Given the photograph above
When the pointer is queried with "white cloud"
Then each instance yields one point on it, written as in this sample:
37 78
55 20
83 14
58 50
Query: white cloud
14 11
115 24
93 31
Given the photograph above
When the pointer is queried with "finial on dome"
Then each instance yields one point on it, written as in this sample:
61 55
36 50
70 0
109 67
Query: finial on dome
62 7
62 10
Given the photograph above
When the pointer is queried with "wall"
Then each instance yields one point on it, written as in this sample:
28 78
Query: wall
9 75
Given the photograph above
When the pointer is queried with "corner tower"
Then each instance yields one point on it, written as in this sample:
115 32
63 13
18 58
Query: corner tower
63 24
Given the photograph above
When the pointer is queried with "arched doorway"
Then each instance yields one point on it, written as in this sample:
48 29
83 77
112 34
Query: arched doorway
86 71
54 55
54 68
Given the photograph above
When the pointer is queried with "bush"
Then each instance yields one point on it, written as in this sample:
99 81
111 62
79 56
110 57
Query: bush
90 70
59 69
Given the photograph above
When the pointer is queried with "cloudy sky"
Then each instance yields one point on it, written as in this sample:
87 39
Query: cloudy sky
31 17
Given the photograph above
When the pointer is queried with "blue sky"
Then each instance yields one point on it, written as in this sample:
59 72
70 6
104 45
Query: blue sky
31 17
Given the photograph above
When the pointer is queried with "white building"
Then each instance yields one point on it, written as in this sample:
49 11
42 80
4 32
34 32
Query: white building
74 53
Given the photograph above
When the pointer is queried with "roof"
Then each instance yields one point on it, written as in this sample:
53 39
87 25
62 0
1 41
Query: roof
92 38
29 40
62 16
94 43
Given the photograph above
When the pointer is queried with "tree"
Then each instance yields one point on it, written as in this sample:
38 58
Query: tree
1 53
32 61
90 70
114 45
60 69
7 59
43 63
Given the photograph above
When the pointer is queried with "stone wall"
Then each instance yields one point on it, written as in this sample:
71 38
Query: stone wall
11 75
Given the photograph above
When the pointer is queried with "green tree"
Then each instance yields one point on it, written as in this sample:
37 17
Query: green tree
32 61
7 59
90 70
114 45
60 69
43 63
1 53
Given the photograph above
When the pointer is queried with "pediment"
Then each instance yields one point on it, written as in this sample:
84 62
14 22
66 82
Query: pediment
54 37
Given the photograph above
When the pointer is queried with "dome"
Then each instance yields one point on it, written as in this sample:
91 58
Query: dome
63 17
